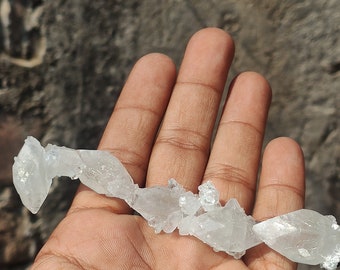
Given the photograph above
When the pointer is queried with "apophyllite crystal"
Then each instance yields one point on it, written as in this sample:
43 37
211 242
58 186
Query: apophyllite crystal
303 236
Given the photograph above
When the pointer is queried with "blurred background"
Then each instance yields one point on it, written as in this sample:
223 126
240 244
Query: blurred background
63 64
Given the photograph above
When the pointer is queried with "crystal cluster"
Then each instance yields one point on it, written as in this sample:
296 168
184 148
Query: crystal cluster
303 236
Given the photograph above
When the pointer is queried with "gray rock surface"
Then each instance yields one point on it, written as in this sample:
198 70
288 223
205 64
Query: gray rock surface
63 63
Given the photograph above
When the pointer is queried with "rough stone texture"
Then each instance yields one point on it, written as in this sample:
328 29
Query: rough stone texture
88 49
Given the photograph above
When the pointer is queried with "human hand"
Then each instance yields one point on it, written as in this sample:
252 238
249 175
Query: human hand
162 128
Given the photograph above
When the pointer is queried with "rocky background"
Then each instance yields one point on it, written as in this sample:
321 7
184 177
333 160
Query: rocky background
63 63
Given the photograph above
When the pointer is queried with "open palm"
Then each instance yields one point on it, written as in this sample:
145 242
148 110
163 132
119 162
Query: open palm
162 128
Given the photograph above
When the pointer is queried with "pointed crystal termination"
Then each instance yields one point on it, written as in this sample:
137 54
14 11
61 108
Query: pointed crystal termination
35 166
225 228
160 206
303 236
30 175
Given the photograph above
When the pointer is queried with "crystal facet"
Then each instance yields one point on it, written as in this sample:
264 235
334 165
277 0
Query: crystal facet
303 236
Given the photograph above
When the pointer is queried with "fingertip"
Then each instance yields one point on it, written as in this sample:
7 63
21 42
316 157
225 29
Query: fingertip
284 150
250 80
219 42
286 142
254 77
249 98
155 58
214 34
207 58
287 164
155 65
150 80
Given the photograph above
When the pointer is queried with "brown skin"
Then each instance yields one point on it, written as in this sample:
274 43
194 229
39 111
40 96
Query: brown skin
162 127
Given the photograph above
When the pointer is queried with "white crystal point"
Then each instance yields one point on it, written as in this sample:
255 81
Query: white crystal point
101 171
189 203
303 236
62 161
30 174
209 196
226 229
160 206
35 166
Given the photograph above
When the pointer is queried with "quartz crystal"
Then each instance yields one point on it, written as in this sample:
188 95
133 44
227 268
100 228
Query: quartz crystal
35 167
303 236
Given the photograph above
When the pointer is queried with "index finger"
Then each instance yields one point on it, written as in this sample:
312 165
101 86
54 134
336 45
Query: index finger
130 132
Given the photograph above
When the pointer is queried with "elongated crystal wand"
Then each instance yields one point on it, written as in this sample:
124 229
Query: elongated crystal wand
303 236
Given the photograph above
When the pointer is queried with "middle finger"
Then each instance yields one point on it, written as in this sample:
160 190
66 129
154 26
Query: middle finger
182 146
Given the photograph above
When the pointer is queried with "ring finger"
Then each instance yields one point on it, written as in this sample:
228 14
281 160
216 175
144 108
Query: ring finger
235 156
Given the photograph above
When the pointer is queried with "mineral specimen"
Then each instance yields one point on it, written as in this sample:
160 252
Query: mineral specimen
303 236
